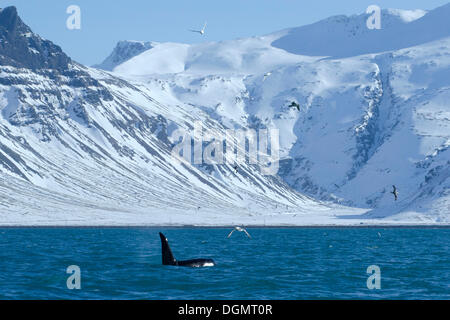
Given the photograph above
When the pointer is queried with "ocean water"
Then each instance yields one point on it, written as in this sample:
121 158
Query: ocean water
298 263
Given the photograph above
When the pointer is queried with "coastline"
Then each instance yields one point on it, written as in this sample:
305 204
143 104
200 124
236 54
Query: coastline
363 226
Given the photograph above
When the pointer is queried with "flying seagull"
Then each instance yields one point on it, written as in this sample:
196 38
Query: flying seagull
395 193
266 75
240 230
202 32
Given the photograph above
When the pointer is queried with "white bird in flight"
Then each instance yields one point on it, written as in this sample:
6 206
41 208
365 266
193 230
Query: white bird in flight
202 32
240 230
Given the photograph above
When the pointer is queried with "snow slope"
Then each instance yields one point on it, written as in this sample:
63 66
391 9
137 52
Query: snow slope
374 107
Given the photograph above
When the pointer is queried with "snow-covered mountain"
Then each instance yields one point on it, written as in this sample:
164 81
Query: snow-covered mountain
373 106
82 146
343 36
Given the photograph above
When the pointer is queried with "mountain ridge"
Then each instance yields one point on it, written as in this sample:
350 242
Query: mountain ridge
347 35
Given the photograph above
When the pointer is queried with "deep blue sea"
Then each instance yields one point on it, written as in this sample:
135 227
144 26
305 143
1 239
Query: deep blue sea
303 263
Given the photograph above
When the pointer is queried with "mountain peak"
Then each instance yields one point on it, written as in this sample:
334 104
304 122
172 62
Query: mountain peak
21 48
407 15
124 51
9 18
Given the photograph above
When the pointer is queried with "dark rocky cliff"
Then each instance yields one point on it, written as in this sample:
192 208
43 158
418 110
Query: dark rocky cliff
21 48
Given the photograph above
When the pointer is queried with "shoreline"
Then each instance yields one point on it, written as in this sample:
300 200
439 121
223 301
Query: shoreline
362 226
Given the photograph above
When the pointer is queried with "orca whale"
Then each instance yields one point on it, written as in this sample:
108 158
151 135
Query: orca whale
169 260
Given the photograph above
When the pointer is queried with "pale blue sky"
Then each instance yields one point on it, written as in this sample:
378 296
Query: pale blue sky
104 22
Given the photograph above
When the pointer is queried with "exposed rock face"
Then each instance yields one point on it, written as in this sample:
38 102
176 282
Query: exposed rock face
124 51
21 48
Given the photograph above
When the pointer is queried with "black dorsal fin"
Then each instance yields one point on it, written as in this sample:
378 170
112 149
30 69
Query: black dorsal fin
167 256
